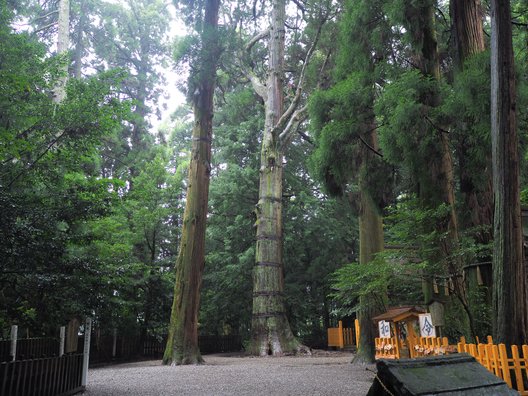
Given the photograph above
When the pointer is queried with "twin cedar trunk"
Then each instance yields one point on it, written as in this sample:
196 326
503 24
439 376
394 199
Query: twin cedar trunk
182 344
436 186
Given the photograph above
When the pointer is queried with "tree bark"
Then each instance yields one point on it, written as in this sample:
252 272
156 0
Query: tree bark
63 44
509 278
468 33
468 38
182 344
371 242
477 213
270 330
437 186
79 43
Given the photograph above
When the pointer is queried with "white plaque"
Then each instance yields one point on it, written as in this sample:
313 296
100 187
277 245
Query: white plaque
426 326
384 329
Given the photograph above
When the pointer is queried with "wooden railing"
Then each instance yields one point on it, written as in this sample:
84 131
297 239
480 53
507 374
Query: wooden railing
510 366
391 348
387 348
341 337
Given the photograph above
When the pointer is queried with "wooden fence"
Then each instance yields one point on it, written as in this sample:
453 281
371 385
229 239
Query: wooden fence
341 337
387 348
511 366
392 348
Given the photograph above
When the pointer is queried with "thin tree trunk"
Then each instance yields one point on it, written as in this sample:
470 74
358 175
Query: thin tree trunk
63 44
79 43
182 344
271 332
509 278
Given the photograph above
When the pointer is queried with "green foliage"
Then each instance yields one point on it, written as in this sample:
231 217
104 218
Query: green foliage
339 117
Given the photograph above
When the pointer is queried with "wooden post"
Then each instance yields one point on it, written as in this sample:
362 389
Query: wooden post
341 339
86 352
356 325
14 333
61 342
503 363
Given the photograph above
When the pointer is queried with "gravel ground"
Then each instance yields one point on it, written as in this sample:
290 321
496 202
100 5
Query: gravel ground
325 373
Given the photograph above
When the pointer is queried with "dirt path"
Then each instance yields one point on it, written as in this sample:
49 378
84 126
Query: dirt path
329 374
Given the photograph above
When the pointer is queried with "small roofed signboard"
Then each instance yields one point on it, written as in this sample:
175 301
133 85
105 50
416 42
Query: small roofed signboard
451 375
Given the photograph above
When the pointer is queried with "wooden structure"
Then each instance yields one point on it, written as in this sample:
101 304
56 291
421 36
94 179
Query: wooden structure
404 328
342 337
509 365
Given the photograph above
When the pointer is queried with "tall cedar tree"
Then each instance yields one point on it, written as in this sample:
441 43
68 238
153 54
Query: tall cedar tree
182 343
436 186
271 332
477 192
509 278
347 147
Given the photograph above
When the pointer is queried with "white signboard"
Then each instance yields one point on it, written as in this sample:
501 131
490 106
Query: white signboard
384 329
426 326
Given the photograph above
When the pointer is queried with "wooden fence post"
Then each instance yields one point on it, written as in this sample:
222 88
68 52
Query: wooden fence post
61 342
14 334
504 366
86 352
341 338
356 326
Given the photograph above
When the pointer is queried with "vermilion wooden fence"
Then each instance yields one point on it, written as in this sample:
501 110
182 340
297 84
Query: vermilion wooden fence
510 365
342 337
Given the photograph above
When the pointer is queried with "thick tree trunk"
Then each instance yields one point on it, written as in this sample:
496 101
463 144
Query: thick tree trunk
477 208
270 330
182 344
371 242
468 37
63 44
509 278
437 186
468 34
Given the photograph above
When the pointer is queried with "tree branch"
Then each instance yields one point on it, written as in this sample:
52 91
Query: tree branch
370 147
305 137
50 146
44 28
293 124
45 15
256 39
436 126
285 117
